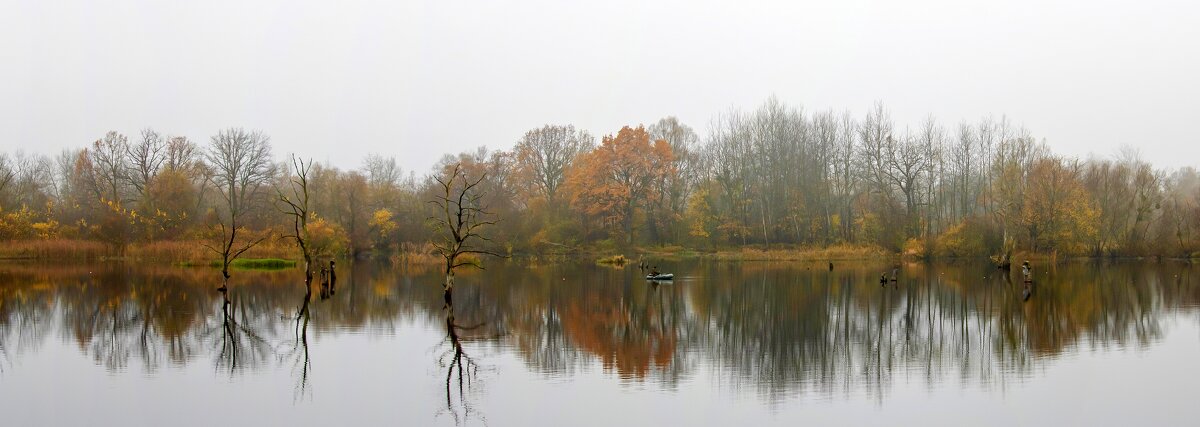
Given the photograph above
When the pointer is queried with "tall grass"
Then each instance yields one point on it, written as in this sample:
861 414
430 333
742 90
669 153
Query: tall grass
831 253
193 251
54 249
411 254
167 251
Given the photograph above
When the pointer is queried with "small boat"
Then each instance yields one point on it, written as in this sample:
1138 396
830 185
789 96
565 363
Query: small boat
668 276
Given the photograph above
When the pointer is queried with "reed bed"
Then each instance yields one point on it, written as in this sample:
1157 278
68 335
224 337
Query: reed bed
167 251
830 253
54 249
411 254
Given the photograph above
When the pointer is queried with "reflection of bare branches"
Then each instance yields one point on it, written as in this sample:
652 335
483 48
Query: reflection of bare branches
466 369
240 344
299 349
458 362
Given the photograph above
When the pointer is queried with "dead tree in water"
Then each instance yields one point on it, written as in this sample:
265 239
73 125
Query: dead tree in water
241 163
296 206
463 216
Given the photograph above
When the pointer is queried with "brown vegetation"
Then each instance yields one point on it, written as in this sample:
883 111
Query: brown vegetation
830 253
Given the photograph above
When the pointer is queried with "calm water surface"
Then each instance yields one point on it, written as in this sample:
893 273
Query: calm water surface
579 344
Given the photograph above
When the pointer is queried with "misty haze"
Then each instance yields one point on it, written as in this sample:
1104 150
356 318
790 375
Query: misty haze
617 213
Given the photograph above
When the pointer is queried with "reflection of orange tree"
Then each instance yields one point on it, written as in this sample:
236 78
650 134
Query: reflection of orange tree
628 337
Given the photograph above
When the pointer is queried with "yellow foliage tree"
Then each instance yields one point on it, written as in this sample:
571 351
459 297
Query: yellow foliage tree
326 238
383 227
1057 212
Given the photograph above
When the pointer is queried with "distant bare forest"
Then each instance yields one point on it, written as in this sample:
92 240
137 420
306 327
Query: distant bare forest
777 176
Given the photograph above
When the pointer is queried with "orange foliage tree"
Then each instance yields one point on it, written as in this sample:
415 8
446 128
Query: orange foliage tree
613 181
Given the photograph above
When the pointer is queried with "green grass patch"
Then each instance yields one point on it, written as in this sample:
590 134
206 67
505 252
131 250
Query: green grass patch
263 264
246 264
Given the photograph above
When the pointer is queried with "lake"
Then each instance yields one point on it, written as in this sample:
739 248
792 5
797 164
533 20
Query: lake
581 344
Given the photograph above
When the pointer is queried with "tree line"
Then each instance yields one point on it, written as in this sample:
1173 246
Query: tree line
776 176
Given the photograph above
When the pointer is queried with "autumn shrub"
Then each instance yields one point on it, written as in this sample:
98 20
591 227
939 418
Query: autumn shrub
412 254
915 247
965 239
615 260
326 239
46 230
115 225
16 224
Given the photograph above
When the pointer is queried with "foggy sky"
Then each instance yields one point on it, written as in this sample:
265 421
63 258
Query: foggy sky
337 80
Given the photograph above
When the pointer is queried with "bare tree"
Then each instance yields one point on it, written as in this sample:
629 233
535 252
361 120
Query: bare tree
964 165
32 178
462 218
544 154
180 154
676 188
381 171
7 176
145 159
295 205
108 164
896 164
845 175
241 164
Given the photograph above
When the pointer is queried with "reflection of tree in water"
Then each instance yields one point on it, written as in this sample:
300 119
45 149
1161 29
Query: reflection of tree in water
845 336
535 322
118 317
240 342
25 319
561 325
776 329
298 352
464 325
145 316
634 338
783 329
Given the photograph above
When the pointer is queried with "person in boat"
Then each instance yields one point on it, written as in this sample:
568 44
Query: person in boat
1026 272
654 272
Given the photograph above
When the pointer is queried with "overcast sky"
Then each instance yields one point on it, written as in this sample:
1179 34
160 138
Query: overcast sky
335 80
